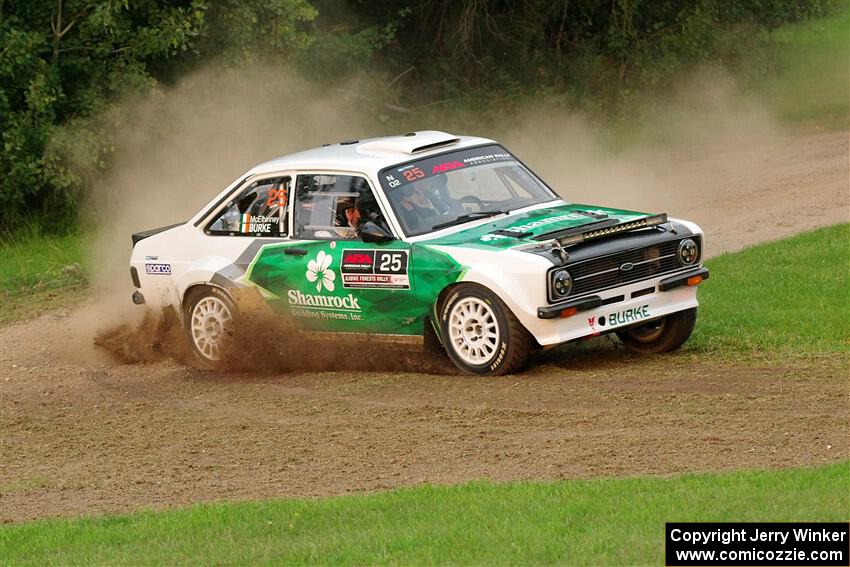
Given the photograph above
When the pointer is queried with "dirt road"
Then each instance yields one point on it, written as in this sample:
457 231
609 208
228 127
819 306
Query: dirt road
83 434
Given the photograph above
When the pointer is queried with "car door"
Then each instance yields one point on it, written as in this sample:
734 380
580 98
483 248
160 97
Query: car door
328 279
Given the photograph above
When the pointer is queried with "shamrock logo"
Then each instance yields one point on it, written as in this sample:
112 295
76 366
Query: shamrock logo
491 237
319 271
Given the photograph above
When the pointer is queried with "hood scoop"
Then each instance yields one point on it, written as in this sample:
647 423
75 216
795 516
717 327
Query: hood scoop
512 233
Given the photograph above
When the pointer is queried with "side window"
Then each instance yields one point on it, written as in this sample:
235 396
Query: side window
262 209
330 207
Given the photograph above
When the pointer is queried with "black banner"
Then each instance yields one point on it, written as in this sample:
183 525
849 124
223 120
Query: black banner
803 543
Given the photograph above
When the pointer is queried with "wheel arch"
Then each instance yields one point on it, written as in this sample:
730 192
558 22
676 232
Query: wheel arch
445 293
198 287
512 344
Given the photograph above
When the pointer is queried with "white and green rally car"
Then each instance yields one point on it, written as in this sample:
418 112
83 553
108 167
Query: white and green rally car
430 237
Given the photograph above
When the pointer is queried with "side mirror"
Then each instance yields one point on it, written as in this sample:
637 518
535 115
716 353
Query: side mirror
372 232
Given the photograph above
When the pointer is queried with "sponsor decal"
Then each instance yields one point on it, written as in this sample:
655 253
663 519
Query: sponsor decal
151 258
319 272
373 269
317 306
487 158
448 166
158 269
529 226
628 315
358 261
250 224
309 300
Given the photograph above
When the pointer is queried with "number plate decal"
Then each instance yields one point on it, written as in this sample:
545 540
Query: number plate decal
361 268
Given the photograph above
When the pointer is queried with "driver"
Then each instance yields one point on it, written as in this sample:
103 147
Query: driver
350 219
415 205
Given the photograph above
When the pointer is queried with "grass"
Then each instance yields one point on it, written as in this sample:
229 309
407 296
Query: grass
789 296
591 522
811 82
39 273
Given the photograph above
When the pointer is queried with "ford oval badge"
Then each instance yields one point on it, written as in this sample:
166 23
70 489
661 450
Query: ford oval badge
627 267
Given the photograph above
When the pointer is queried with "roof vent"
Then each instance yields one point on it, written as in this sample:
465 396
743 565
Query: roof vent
410 143
434 146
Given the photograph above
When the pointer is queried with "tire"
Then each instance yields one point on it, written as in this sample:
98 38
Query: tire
481 335
210 323
660 335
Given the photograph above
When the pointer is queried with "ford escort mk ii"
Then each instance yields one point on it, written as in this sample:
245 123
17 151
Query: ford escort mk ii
426 237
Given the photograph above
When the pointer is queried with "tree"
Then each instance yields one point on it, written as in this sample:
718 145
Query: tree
61 60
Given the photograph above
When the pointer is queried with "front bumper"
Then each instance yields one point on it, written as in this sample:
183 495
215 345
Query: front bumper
619 307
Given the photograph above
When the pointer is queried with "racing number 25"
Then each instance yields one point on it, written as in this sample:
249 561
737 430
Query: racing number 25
413 174
392 262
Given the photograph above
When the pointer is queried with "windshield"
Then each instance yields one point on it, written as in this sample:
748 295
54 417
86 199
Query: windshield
460 186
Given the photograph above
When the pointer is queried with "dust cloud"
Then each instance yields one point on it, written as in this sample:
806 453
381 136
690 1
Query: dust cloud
178 147
663 163
175 149
264 341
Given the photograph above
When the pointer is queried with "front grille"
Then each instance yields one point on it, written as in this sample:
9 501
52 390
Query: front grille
602 273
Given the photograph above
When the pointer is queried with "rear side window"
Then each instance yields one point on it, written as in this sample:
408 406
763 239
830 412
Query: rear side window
261 209
331 207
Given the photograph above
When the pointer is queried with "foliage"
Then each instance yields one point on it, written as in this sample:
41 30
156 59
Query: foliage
596 52
572 522
64 61
69 59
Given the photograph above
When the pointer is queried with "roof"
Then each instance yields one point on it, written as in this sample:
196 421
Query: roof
373 154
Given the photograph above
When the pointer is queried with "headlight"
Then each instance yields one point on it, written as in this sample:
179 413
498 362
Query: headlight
688 252
562 283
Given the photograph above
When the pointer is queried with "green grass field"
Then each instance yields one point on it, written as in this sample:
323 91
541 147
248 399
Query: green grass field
39 273
790 296
587 522
812 78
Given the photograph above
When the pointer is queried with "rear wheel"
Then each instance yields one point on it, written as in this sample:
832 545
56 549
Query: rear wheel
660 335
210 323
480 333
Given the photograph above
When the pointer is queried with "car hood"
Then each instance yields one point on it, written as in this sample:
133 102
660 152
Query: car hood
555 221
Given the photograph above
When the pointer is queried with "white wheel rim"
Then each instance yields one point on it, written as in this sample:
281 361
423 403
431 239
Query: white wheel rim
473 331
210 323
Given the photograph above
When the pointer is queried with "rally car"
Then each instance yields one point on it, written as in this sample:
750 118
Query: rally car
427 237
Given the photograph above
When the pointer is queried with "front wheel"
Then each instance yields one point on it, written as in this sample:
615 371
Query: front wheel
480 333
660 335
210 324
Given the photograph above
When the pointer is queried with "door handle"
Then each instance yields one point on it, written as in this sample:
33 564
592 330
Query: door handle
295 251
